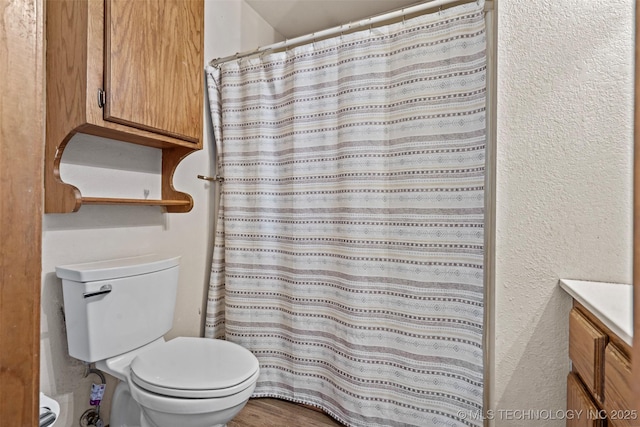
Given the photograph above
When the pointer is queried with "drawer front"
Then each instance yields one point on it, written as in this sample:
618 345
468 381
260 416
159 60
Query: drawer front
618 397
580 402
586 350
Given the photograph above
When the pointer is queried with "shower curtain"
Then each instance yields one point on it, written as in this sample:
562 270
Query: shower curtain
349 247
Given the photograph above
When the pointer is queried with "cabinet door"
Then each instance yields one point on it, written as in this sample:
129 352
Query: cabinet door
154 65
580 405
618 394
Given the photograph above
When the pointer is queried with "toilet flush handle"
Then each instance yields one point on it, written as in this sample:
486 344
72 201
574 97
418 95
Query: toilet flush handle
104 289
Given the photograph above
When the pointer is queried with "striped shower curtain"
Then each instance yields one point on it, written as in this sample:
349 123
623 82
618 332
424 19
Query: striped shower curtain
349 246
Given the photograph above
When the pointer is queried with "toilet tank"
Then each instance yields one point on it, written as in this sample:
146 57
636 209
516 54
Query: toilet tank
112 307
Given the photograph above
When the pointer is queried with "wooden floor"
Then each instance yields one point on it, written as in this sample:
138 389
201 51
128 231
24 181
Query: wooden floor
279 413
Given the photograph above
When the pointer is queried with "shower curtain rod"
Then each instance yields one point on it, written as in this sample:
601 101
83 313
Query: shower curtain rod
367 22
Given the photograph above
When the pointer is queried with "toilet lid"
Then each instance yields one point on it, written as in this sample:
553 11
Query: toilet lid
194 367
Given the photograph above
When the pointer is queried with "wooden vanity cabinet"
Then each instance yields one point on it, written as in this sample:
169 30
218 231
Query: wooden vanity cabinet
126 70
599 384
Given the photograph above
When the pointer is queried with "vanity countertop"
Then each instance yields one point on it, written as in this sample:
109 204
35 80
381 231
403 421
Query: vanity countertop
611 303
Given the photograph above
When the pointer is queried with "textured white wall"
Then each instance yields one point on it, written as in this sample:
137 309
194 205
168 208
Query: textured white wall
564 208
101 232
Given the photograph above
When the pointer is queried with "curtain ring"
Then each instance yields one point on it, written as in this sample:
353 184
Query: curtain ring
348 28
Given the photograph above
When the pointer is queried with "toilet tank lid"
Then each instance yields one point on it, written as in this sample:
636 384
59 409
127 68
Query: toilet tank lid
116 268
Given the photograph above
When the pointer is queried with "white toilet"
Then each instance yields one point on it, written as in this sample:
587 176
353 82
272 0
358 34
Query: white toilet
116 313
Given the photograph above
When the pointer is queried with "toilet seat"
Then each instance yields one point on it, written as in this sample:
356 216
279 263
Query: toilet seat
195 368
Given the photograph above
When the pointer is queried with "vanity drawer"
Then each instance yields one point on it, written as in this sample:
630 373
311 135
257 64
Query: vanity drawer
586 350
579 401
618 397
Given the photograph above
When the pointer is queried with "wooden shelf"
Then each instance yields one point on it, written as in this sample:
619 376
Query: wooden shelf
64 198
147 202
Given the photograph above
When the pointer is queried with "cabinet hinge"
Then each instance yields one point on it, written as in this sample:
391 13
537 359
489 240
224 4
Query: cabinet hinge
102 98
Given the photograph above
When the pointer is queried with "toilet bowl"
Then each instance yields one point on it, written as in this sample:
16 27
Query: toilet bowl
187 382
116 314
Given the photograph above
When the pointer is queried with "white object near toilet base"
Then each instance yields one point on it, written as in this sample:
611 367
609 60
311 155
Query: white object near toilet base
47 405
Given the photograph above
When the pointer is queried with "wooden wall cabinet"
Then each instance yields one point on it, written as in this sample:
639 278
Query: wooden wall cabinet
600 382
126 70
